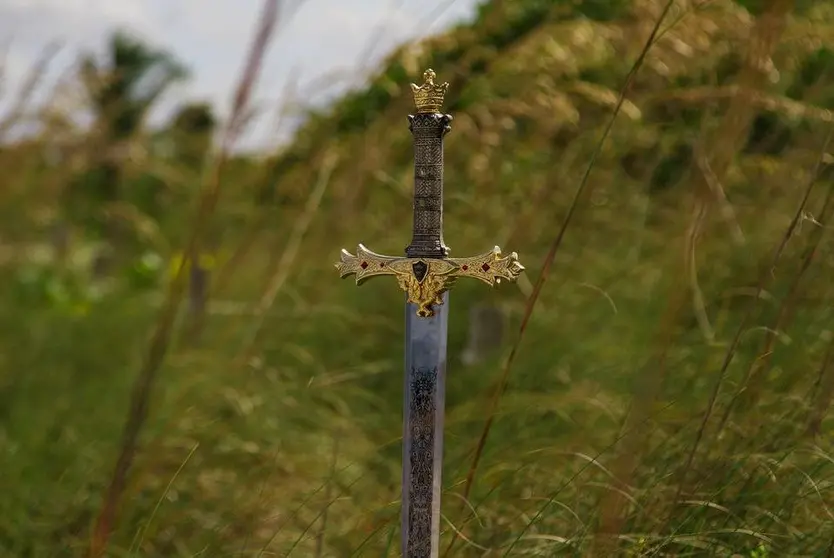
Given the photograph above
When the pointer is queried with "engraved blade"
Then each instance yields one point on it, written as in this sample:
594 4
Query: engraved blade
424 412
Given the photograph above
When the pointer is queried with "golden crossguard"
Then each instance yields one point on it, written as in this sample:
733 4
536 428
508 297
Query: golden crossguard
425 280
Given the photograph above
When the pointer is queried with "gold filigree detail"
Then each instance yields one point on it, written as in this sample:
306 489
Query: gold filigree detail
426 294
424 280
489 267
428 98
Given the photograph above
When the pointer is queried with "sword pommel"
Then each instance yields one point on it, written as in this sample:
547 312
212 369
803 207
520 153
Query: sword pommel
428 98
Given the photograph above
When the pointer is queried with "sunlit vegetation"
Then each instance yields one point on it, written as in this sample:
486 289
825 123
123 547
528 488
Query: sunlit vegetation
670 395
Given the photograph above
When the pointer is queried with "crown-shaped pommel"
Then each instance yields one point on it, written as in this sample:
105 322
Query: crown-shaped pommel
429 97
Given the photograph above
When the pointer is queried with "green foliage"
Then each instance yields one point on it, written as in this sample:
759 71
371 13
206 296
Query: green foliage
602 10
757 7
146 272
672 168
517 19
359 108
132 80
815 73
191 132
42 285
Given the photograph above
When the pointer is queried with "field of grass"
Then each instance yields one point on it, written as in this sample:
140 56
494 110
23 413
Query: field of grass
664 380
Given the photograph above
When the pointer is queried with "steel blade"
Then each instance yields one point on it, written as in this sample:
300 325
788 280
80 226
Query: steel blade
424 411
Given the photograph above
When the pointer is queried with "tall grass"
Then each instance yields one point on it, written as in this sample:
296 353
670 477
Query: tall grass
669 389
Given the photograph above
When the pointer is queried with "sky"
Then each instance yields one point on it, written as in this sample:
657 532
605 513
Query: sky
212 38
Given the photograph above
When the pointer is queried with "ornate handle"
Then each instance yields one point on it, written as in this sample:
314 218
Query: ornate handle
428 130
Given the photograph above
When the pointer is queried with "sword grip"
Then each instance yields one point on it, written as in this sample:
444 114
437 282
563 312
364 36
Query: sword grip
428 130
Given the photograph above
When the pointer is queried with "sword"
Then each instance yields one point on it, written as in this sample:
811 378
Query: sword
426 274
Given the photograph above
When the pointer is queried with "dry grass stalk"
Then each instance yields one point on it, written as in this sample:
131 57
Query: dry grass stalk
764 279
634 444
328 497
224 274
751 387
757 100
581 192
241 115
280 271
824 395
726 142
30 85
161 337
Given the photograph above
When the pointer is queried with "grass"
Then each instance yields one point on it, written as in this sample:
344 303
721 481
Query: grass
668 391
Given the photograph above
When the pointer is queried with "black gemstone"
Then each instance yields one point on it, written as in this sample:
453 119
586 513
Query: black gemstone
420 269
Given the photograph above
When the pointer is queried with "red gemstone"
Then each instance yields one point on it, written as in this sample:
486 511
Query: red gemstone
464 267
485 267
381 264
363 265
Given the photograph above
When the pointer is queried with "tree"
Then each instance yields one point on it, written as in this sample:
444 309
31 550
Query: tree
191 132
121 90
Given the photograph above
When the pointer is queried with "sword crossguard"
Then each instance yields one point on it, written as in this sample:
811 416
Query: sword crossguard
425 280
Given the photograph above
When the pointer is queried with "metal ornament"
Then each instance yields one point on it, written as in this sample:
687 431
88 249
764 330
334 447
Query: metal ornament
424 280
426 274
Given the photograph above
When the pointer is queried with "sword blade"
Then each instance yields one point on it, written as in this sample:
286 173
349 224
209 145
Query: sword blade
424 411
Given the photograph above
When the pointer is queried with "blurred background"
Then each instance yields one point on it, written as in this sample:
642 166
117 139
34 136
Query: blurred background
182 373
